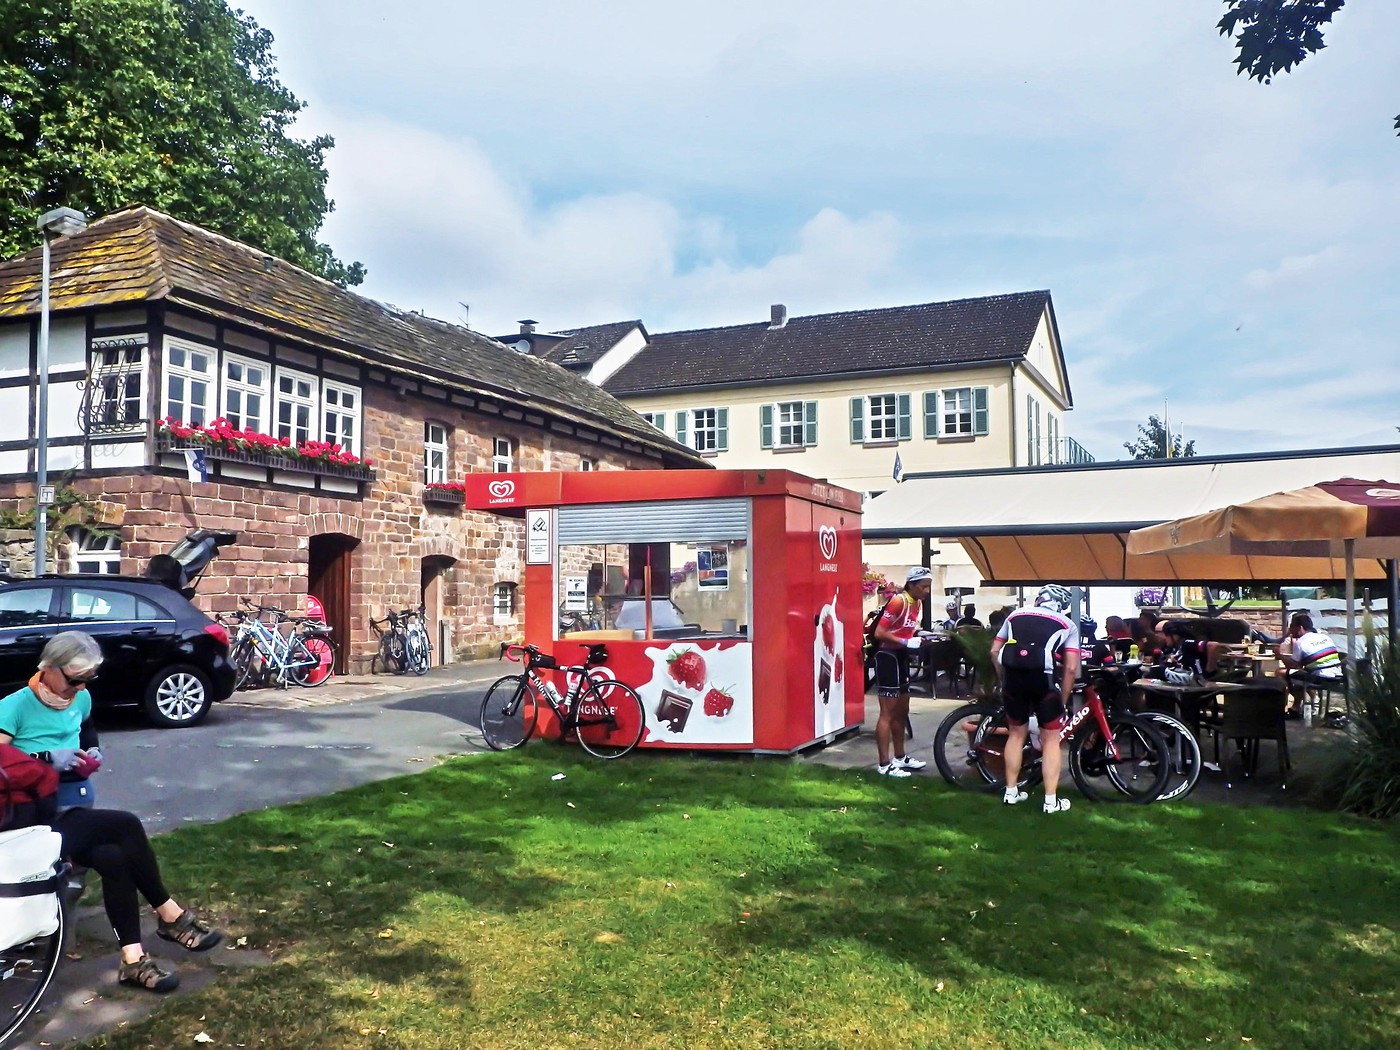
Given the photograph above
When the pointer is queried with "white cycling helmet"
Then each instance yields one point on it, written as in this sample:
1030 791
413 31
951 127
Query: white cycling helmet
1053 596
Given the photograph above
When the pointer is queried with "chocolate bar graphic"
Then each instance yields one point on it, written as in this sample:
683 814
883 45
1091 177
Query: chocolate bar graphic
674 710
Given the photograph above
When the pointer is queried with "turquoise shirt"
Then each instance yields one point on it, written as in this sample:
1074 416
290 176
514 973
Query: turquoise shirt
37 727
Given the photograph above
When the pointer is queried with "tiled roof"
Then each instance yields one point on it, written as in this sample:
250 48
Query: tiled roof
139 254
896 339
583 346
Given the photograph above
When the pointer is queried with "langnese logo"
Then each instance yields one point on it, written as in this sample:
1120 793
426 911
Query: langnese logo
501 492
826 543
1383 493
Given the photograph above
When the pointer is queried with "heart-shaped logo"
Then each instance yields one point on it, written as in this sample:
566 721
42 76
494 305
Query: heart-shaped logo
826 540
501 489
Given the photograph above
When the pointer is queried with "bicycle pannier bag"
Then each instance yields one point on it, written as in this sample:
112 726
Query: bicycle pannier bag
28 884
28 789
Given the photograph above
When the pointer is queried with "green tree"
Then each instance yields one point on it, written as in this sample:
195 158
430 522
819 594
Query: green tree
171 103
1273 36
1151 442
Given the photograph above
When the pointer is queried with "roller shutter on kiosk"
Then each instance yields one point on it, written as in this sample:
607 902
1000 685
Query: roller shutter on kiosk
681 521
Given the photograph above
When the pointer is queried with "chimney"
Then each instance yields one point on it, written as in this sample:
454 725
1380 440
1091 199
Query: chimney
778 313
527 326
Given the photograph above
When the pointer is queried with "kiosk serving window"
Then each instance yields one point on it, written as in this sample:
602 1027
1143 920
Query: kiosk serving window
694 553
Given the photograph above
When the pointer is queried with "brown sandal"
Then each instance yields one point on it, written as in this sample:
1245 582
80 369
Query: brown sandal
188 932
146 973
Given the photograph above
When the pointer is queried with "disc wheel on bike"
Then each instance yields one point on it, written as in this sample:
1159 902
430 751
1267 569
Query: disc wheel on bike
508 713
1139 772
953 753
989 746
313 661
1183 756
610 719
26 971
416 653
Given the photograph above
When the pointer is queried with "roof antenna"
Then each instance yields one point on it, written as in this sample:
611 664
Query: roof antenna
466 311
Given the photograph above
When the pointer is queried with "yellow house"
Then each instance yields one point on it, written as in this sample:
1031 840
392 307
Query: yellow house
854 397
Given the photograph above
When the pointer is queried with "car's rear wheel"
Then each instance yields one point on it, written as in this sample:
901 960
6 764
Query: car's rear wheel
178 696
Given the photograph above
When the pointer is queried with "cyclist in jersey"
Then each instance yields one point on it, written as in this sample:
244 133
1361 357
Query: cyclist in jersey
1028 650
1193 660
895 633
1312 658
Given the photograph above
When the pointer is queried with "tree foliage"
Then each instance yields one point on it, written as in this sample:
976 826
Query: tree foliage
1151 442
1273 36
171 103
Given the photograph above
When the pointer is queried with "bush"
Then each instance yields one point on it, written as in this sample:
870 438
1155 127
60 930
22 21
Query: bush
1370 777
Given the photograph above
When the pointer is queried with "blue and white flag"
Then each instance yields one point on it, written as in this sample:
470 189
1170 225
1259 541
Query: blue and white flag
195 466
898 468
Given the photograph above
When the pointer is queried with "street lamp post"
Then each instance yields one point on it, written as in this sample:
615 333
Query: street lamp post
59 222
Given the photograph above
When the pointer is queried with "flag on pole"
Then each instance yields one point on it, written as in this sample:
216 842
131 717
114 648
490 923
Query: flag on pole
196 469
898 468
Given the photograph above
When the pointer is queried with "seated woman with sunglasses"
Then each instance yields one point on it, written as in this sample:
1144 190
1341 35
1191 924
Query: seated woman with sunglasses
49 718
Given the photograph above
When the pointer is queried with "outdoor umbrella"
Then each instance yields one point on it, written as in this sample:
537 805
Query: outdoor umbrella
1346 518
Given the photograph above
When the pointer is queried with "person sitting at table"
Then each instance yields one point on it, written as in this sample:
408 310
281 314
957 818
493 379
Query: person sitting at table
1119 637
998 617
969 617
1193 660
950 620
1313 659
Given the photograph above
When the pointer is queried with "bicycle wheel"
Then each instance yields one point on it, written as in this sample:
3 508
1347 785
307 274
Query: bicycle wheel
416 653
1183 756
989 745
952 745
391 653
313 658
1138 774
244 659
26 971
610 719
508 713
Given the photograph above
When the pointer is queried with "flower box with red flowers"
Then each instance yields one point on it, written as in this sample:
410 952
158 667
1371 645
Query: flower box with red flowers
222 441
451 493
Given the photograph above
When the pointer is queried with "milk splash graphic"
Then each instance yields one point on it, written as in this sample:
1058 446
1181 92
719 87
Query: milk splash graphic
828 670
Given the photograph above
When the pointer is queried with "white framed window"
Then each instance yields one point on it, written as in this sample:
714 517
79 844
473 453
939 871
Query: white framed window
503 603
245 393
880 419
787 424
294 406
656 419
502 455
704 429
340 415
587 463
115 394
191 379
1052 430
94 553
434 453
956 412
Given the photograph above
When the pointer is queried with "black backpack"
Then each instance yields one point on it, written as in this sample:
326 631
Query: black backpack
871 620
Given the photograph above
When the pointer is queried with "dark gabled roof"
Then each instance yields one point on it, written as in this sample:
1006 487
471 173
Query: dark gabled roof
139 254
583 346
896 339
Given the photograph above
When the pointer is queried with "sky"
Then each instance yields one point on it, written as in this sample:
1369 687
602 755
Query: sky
1220 250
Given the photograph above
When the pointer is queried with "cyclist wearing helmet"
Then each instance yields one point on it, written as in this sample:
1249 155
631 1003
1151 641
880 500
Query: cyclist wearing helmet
1026 652
951 620
895 631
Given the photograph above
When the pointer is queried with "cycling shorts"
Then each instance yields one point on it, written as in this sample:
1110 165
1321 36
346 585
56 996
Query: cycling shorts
1027 692
892 672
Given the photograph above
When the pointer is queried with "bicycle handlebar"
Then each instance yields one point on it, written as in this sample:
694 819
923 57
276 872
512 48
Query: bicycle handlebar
537 657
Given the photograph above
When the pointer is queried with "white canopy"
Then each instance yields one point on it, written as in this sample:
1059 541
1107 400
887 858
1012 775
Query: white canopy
1070 524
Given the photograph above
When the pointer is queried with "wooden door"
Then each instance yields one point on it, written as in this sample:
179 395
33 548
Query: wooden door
328 578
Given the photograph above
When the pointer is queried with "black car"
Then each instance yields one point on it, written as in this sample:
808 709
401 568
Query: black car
158 650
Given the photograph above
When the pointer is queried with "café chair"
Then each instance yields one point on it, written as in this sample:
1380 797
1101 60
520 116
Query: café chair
944 656
1248 717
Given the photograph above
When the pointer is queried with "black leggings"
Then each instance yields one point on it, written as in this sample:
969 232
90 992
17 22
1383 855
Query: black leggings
113 843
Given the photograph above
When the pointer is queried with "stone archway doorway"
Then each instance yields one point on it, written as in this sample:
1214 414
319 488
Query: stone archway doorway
435 580
329 561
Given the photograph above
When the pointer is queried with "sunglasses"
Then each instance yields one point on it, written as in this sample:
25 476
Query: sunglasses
77 683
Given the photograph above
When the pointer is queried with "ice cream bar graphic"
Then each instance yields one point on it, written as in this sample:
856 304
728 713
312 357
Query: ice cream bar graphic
824 680
674 710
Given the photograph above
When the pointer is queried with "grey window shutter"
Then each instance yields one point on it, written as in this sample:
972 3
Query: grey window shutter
979 411
660 421
903 429
765 426
809 420
930 413
857 420
721 430
680 425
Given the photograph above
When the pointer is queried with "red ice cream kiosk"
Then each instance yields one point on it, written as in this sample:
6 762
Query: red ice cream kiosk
729 599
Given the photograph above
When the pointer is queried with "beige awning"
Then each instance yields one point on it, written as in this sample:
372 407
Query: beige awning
1071 524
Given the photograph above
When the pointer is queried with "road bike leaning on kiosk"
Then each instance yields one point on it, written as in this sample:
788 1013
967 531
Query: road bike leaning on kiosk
605 715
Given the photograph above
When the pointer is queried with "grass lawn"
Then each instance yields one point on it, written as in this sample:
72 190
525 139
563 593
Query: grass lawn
664 901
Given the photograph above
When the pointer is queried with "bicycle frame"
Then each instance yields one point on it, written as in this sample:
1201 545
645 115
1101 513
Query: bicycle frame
566 708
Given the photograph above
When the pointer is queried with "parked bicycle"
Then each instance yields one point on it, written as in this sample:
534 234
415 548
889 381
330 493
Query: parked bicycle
418 647
605 715
39 926
263 653
1111 756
